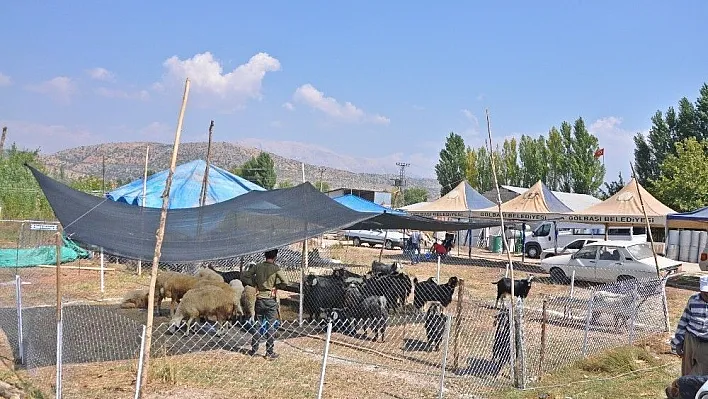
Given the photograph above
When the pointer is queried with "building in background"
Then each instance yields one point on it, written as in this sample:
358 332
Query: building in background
378 197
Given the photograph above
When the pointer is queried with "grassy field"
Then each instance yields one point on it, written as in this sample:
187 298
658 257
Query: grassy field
642 370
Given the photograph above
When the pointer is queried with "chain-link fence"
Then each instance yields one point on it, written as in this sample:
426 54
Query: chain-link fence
440 328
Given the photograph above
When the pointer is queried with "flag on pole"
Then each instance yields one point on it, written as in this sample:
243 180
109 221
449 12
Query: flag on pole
600 153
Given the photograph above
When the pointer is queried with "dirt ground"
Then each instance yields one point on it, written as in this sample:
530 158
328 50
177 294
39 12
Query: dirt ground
398 368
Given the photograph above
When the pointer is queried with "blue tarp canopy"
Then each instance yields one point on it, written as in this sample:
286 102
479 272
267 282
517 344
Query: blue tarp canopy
186 187
362 205
697 219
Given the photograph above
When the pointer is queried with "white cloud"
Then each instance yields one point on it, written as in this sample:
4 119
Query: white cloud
122 94
48 137
156 131
618 143
348 112
207 75
5 80
276 124
289 106
473 129
102 74
60 88
480 97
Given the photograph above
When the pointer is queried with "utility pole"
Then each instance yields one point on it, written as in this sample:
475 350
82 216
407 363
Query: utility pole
321 177
103 174
400 183
2 141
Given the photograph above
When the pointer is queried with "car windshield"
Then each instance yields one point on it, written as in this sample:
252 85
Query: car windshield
640 251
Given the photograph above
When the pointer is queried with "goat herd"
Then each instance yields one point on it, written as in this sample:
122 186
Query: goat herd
351 301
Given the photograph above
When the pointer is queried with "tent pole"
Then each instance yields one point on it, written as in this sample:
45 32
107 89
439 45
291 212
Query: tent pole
646 220
205 182
303 267
160 236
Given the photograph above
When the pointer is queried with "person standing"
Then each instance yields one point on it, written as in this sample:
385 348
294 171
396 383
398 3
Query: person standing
265 277
691 338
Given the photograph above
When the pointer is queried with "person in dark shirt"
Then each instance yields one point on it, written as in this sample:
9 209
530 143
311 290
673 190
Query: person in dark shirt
265 277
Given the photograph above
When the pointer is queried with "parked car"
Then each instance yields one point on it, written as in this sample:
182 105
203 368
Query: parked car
608 261
571 248
389 239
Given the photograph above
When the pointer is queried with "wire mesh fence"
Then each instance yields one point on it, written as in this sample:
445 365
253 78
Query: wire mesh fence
439 325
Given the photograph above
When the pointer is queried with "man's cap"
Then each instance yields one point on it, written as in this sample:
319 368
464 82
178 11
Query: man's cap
704 284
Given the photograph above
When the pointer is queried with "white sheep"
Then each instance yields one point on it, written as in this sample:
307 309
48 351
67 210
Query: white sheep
209 274
217 301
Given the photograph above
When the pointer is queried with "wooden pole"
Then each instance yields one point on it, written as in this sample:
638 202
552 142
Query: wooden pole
510 266
160 236
2 141
205 182
646 220
542 355
145 177
303 268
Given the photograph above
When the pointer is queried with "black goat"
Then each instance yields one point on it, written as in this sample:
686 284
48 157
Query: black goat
379 268
227 276
521 288
322 292
371 311
429 290
395 287
435 322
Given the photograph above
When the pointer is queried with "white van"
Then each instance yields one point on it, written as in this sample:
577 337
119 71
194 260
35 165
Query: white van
548 235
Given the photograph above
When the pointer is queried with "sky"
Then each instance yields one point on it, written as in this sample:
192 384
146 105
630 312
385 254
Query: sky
361 84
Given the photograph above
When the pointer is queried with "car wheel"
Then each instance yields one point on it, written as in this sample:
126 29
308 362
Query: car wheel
533 251
356 241
388 244
558 276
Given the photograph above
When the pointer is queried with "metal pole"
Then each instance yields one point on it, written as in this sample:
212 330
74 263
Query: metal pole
448 322
161 233
587 324
140 364
303 267
437 274
667 326
18 298
544 322
58 272
145 177
324 359
634 315
102 271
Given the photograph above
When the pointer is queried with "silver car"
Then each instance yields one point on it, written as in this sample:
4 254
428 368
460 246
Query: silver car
573 247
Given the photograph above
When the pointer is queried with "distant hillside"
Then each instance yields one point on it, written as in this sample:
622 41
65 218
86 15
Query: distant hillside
126 161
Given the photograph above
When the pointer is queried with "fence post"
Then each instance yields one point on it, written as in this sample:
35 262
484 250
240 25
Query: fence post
458 324
635 296
519 339
102 269
448 323
667 326
437 274
20 335
60 349
568 311
512 344
542 355
139 378
587 323
324 359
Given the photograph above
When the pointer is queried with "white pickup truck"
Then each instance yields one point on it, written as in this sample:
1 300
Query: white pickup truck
389 239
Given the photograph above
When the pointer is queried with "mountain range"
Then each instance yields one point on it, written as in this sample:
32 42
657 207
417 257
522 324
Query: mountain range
126 161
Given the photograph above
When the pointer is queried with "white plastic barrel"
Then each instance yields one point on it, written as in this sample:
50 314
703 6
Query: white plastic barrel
684 245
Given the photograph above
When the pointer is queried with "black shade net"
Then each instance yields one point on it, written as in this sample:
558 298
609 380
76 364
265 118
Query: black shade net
250 223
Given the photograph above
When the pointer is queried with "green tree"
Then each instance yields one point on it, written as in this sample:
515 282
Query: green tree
702 111
323 186
530 161
588 172
566 173
612 188
484 170
471 169
89 184
451 167
20 195
556 155
686 125
285 184
414 195
259 170
510 162
645 166
683 184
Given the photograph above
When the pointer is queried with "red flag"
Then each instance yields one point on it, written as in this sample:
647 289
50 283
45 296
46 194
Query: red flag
600 153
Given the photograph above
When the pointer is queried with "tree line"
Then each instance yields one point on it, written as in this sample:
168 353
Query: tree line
670 161
565 161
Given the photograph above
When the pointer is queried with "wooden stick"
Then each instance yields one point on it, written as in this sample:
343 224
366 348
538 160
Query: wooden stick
145 177
542 355
205 182
2 141
458 324
646 220
510 266
160 236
